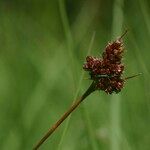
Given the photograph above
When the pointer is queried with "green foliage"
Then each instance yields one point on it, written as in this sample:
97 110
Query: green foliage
43 45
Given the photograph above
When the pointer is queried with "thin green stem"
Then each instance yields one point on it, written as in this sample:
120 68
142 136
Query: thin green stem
65 115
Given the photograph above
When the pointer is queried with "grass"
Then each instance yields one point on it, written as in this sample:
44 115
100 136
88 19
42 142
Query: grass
69 39
42 48
115 100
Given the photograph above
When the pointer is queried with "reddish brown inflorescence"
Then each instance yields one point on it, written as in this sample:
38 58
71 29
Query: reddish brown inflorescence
107 71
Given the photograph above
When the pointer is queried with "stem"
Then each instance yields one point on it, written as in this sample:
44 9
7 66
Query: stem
123 34
132 76
65 115
77 91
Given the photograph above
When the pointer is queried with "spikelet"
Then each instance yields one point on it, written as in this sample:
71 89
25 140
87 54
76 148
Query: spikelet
107 71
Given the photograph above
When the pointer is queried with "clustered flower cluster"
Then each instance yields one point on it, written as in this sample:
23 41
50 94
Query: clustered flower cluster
107 71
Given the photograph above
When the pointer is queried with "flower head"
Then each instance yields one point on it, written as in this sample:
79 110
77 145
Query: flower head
107 71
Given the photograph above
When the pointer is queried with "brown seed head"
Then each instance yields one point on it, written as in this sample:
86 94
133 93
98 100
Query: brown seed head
107 71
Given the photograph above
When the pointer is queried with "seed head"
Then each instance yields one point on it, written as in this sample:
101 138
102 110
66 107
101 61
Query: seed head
107 71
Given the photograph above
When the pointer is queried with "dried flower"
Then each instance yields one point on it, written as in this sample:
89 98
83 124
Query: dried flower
107 71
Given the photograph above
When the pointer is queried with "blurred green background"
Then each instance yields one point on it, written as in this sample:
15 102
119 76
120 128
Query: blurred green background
43 45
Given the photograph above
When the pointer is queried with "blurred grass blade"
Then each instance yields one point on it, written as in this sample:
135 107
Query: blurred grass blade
115 104
76 94
145 11
69 38
88 125
115 122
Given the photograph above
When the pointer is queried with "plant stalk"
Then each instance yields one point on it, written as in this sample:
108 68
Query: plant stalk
65 115
132 76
